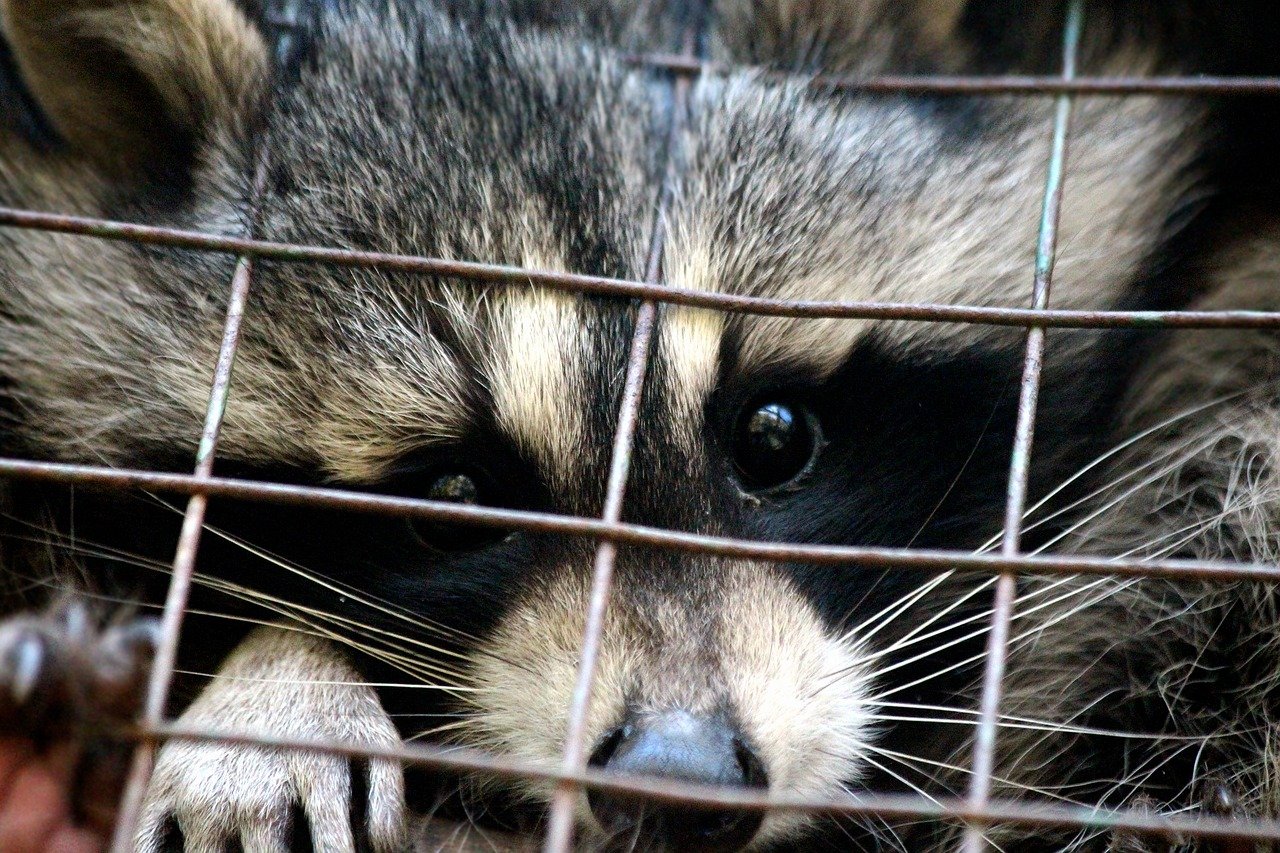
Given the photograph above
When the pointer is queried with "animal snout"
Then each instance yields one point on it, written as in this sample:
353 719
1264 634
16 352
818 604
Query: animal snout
677 745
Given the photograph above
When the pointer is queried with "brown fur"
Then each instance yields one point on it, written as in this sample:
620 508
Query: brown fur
520 135
103 70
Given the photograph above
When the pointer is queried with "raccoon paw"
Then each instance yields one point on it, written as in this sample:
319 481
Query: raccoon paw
209 796
61 675
64 681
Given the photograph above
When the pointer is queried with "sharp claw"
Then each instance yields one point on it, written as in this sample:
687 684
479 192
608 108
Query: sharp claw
73 616
122 661
56 669
28 659
1219 798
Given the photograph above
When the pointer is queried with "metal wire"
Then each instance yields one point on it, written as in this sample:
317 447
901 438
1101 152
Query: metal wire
984 741
560 824
997 811
184 560
604 286
865 557
1001 84
979 809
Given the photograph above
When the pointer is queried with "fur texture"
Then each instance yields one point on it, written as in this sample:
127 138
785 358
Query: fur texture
516 132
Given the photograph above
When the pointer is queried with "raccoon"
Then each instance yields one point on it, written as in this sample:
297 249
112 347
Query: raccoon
521 133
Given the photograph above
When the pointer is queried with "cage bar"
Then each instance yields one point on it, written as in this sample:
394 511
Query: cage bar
184 560
984 742
979 809
920 312
1028 813
560 824
990 84
854 556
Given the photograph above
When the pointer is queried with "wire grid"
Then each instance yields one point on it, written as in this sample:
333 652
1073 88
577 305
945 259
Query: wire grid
979 809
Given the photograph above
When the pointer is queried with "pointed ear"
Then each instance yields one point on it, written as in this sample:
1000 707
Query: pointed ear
134 83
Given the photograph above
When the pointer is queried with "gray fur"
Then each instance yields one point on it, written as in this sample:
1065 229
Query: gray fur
516 133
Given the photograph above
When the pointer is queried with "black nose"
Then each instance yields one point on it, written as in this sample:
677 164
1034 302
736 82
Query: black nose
677 745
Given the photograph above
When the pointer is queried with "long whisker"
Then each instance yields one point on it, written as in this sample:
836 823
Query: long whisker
332 584
890 612
455 725
1109 454
1019 722
984 618
981 617
85 548
1034 630
425 669
995 407
315 681
914 787
1125 495
375 603
1131 472
410 664
911 761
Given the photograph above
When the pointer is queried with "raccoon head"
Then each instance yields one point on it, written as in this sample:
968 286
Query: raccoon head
438 129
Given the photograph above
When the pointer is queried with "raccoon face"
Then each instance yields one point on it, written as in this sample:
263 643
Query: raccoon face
450 132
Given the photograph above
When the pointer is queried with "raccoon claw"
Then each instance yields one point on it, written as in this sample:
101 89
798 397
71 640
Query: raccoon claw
24 662
1220 798
212 796
58 674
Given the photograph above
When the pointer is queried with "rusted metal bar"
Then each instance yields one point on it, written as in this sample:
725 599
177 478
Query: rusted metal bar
466 760
635 534
979 809
560 822
184 560
1003 84
984 744
625 288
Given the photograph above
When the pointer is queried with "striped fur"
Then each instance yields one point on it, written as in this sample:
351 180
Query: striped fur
518 133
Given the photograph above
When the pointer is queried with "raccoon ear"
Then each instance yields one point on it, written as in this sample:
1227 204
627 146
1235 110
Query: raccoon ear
841 36
938 19
134 83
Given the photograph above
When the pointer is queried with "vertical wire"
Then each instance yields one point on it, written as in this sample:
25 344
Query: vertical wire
287 24
1019 466
560 821
184 560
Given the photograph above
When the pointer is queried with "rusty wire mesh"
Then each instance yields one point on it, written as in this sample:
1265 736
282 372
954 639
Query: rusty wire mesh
978 809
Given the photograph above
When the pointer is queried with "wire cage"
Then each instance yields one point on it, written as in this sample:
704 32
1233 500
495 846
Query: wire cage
978 809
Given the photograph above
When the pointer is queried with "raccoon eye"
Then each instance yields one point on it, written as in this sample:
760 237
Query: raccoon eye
454 488
460 488
773 444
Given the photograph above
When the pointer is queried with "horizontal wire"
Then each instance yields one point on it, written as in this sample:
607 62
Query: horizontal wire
993 84
865 557
630 289
997 811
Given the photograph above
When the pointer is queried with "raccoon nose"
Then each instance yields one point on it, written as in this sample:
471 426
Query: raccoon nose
677 745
